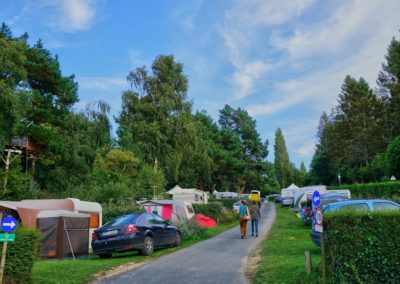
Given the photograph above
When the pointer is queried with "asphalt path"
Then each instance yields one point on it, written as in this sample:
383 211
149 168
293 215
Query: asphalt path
221 259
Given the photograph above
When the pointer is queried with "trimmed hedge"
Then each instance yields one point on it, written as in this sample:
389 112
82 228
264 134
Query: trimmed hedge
21 256
390 190
211 209
112 211
362 247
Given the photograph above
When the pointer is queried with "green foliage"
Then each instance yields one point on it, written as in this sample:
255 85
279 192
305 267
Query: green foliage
228 216
362 248
111 211
227 202
211 209
190 229
389 190
393 157
21 256
281 162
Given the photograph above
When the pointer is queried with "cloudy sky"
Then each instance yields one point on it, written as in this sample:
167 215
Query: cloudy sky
282 61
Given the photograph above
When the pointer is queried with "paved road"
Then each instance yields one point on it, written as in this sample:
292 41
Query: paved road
220 259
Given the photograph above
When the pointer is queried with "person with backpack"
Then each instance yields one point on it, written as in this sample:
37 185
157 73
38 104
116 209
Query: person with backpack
255 216
244 216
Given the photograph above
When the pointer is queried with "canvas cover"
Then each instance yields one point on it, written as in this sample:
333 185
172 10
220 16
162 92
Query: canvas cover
64 234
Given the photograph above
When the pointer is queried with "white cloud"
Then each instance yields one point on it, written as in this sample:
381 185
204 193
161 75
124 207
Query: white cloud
352 22
241 31
136 58
102 83
72 15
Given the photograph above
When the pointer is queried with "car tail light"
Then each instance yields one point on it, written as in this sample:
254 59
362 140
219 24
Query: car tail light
131 229
305 211
94 236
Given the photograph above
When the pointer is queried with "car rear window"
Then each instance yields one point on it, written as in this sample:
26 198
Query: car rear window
356 207
384 206
123 220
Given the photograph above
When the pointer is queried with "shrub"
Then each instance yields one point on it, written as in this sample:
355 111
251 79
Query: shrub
388 189
228 216
21 256
227 202
211 209
110 211
190 229
362 247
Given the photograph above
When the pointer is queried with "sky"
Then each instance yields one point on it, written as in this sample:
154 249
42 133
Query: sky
282 61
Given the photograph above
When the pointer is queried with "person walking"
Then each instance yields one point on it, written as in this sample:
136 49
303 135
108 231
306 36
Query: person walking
244 216
255 216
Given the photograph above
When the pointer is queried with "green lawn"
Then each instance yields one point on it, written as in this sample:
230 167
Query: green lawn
82 270
283 252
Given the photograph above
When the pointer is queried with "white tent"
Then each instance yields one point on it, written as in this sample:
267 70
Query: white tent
292 186
192 195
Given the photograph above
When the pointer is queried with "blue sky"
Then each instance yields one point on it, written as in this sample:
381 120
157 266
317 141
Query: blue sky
282 61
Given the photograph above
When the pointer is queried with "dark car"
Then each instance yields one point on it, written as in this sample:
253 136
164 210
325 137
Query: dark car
278 198
142 232
354 205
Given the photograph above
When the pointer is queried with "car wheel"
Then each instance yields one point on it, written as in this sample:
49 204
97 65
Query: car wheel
105 255
148 246
178 239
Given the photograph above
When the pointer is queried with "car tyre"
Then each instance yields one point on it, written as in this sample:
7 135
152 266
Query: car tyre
148 246
105 255
178 240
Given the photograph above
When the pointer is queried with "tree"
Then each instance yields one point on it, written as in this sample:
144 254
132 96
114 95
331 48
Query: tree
393 157
281 162
254 151
389 89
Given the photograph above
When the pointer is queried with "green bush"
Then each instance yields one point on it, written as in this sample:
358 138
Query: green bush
362 247
211 209
21 255
227 202
190 229
228 216
110 211
389 190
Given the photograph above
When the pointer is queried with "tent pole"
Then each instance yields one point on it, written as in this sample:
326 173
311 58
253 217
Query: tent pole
69 241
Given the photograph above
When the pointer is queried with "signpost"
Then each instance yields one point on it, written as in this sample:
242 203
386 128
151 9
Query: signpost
8 225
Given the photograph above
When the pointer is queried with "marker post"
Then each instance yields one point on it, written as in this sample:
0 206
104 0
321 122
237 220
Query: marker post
9 224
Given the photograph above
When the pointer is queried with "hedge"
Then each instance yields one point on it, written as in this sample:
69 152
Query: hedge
211 209
362 247
21 256
227 202
112 211
390 190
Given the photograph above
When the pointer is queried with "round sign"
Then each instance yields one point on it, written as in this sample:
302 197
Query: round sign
9 224
318 216
316 198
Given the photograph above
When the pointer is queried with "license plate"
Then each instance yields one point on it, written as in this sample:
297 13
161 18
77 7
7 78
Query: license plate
110 233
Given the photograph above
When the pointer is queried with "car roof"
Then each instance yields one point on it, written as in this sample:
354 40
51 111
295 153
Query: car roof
358 201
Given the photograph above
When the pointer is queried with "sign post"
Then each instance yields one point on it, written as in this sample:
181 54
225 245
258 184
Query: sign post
8 225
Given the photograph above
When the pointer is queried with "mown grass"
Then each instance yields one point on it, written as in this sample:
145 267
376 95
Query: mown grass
283 252
83 270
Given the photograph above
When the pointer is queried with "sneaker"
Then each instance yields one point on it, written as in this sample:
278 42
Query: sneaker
256 235
252 235
242 237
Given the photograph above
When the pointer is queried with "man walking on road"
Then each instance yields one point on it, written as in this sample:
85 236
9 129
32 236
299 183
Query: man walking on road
255 216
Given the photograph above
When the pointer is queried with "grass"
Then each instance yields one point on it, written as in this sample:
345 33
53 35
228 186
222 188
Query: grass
283 252
83 270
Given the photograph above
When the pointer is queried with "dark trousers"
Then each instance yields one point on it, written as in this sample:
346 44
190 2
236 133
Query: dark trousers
254 226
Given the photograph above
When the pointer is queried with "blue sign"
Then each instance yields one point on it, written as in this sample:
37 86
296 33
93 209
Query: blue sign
316 198
9 224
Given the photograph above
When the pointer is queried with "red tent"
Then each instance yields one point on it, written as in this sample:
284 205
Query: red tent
204 221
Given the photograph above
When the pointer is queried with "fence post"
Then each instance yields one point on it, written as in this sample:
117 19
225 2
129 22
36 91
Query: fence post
323 258
307 263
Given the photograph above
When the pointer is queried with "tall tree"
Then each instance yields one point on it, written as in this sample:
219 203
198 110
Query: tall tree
389 88
281 162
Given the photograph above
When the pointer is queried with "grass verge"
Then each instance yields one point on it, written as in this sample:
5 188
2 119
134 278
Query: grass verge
282 258
83 270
